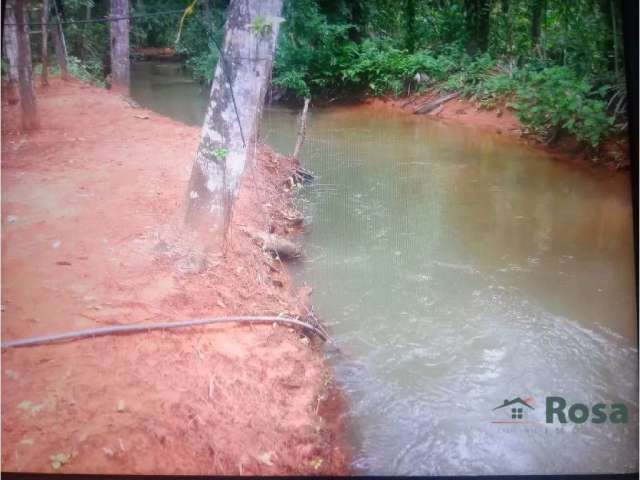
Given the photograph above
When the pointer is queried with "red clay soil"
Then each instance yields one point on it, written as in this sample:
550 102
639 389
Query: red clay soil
459 111
503 121
91 220
156 53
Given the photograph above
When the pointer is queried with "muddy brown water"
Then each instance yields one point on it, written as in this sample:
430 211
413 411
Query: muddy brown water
458 269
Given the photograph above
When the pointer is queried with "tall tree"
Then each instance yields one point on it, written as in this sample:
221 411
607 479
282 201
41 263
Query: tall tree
59 43
45 44
10 47
120 45
410 25
230 128
477 16
25 69
537 7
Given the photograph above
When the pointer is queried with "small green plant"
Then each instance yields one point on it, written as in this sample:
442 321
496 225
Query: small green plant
221 153
261 26
89 71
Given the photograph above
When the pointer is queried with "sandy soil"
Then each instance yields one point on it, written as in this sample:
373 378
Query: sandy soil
91 221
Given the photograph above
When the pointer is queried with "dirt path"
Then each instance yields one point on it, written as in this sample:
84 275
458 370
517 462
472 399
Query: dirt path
90 218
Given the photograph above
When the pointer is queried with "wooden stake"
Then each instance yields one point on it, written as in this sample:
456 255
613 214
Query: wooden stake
302 128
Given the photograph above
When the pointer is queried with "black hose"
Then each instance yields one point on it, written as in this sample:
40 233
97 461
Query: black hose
143 327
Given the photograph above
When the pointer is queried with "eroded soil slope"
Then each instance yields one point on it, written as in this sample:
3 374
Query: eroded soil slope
91 223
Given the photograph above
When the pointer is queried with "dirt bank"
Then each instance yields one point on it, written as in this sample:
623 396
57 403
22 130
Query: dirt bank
503 121
91 223
156 53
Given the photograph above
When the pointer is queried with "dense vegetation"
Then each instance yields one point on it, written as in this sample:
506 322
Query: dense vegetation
557 63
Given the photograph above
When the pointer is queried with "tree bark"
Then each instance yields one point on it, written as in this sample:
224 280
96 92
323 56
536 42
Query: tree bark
410 25
45 44
536 22
25 69
477 19
120 46
229 133
59 44
87 16
10 46
433 104
614 18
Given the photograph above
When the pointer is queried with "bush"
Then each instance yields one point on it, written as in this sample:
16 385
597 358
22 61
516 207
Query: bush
556 99
89 71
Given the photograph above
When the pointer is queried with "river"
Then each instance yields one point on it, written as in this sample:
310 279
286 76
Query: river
456 270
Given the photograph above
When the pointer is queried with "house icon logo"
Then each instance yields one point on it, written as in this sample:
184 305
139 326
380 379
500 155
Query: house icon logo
514 410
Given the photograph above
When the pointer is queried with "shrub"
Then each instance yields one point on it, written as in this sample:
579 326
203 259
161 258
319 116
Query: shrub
556 99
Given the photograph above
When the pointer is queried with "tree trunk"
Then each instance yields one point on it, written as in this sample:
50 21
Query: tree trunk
410 25
25 70
229 133
87 16
433 104
59 44
357 19
10 45
614 19
120 46
477 19
536 17
484 24
45 45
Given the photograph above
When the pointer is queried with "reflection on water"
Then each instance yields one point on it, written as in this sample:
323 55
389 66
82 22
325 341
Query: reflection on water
457 270
167 89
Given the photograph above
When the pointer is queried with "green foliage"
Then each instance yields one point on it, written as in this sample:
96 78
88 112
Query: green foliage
156 30
221 153
312 53
87 42
568 79
556 99
576 52
261 26
89 71
196 44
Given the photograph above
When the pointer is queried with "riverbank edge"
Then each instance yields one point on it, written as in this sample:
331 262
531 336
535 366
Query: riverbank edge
613 154
332 454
